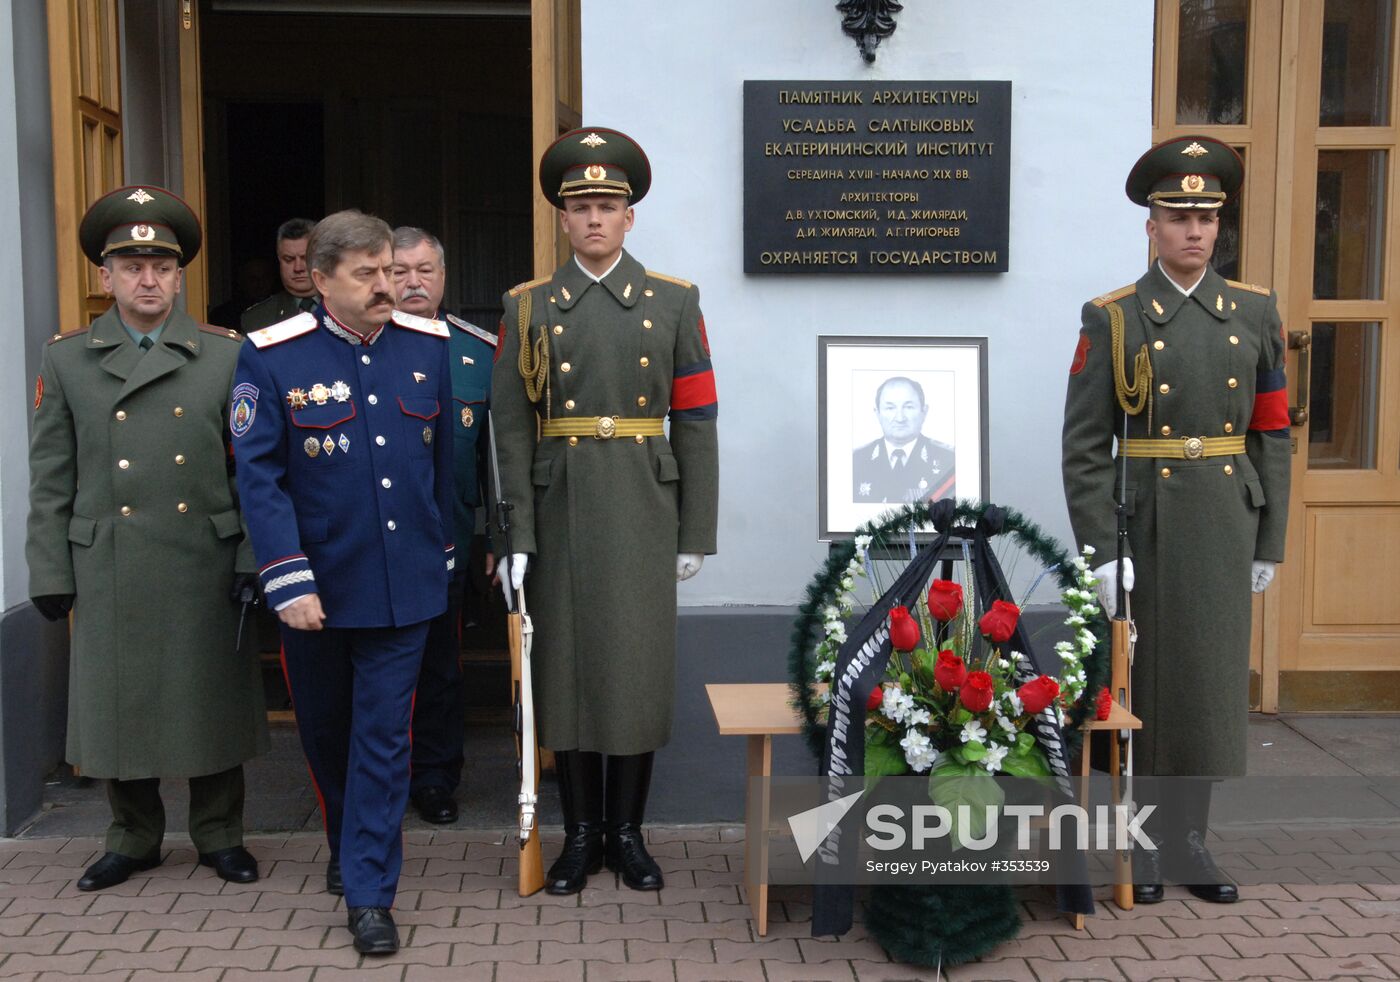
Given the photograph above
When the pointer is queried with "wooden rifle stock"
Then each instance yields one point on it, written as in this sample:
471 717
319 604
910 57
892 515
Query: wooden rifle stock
531 860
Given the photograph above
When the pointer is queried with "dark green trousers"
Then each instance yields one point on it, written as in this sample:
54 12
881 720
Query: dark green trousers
138 814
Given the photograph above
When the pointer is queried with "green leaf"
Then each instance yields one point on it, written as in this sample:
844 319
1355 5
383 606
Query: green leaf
967 785
974 750
1031 764
1025 742
884 759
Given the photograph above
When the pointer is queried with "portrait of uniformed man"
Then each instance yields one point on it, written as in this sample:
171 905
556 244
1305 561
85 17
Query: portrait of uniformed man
134 526
903 465
1176 410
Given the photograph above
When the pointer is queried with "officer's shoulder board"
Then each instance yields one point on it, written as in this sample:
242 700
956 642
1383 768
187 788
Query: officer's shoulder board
472 329
1263 291
219 332
683 284
423 325
292 327
520 288
1118 294
75 333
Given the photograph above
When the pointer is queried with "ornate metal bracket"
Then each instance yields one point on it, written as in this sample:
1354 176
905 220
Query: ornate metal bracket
868 22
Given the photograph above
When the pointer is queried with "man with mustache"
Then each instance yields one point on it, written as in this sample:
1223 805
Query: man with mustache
439 707
298 292
344 448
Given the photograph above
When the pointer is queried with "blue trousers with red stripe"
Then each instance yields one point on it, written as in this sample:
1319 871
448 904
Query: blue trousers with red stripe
352 689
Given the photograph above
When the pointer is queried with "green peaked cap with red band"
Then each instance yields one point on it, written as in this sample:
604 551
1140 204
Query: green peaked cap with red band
1186 172
140 220
594 160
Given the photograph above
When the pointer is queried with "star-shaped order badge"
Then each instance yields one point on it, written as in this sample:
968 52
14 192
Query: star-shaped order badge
865 489
340 392
296 398
320 394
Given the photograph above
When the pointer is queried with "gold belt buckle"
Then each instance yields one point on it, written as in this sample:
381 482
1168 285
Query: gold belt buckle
606 428
1193 448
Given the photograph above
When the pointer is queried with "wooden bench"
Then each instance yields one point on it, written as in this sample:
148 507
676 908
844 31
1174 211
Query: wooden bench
762 710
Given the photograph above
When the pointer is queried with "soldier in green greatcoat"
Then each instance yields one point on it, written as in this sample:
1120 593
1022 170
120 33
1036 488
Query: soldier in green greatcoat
1193 366
611 507
134 526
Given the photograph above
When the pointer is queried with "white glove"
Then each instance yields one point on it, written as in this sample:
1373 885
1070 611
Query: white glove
687 565
1261 574
518 562
1106 581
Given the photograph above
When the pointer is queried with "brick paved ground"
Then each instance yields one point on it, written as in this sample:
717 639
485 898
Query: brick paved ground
461 920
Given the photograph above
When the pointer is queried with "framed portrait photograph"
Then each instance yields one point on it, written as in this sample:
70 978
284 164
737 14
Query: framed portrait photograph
899 420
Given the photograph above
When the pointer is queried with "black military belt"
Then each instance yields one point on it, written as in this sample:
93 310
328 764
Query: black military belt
1184 448
602 427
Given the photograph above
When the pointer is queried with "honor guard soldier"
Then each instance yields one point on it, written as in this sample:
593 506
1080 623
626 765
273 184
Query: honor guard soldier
439 707
134 524
610 509
1186 370
298 293
343 440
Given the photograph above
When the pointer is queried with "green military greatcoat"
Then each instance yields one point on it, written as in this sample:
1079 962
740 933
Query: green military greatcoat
605 518
1194 525
133 510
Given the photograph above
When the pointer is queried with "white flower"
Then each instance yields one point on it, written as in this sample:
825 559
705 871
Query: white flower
897 704
1074 620
1006 725
918 751
1063 648
837 632
862 543
847 583
1014 701
972 730
992 762
1003 663
1017 656
919 717
824 696
1087 550
826 667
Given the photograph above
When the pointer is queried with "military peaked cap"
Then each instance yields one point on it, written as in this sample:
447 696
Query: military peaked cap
140 221
1186 172
594 160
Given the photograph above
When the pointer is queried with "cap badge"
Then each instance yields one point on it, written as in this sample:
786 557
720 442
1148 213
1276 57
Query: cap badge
1193 183
1195 150
596 172
593 140
340 392
143 233
319 394
140 196
467 417
312 448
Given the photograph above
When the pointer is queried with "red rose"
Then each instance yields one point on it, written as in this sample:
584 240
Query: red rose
1104 704
904 630
945 599
1038 693
876 700
976 693
999 623
949 672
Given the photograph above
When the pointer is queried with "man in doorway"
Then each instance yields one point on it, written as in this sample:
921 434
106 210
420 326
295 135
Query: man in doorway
1186 370
608 512
903 465
439 707
298 292
134 526
345 466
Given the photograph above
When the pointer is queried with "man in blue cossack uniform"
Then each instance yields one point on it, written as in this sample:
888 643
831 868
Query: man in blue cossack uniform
343 442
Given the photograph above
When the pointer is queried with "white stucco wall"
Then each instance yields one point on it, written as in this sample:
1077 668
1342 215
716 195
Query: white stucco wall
671 76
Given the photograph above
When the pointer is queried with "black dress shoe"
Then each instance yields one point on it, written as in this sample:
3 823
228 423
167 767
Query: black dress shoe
1196 870
374 930
435 805
627 854
1215 893
1147 877
582 855
114 868
234 864
334 884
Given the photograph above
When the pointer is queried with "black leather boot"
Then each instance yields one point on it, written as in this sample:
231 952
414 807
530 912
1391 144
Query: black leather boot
629 779
580 776
1191 862
1147 875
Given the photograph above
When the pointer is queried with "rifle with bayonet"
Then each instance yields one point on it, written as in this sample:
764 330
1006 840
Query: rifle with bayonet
521 634
1120 683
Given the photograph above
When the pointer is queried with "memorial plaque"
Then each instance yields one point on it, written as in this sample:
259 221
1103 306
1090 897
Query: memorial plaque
876 177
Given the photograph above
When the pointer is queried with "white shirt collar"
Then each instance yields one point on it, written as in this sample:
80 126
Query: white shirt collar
1185 291
589 273
908 449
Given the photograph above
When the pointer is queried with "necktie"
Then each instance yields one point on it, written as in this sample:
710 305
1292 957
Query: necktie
304 304
897 458
146 344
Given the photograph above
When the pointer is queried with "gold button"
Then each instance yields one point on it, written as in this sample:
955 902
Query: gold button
564 367
1164 388
573 441
1166 431
568 404
558 328
648 293
1229 470
126 510
647 324
1229 427
182 508
123 464
1166 472
179 458
1159 345
641 400
645 361
121 414
641 439
1232 383
1234 339
179 411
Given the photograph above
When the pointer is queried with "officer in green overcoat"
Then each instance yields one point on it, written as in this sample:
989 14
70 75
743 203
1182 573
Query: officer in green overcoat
134 526
611 507
1192 365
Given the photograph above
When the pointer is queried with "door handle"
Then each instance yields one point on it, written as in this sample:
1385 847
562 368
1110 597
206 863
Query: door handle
1301 342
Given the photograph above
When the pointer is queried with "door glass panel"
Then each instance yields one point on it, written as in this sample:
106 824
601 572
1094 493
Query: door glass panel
1226 258
1356 62
1349 245
1343 396
1211 68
